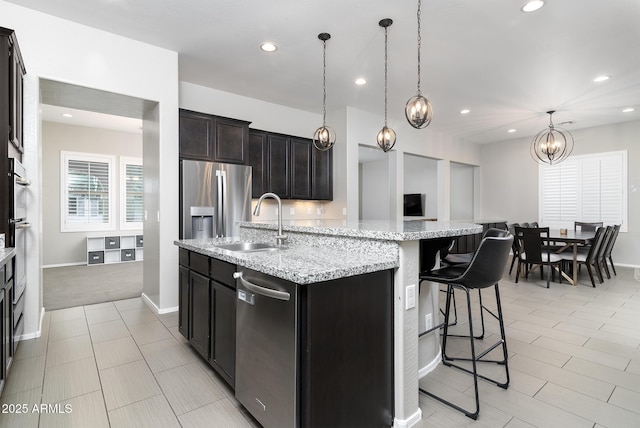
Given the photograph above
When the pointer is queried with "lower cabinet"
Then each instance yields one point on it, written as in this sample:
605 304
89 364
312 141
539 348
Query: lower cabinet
207 310
7 344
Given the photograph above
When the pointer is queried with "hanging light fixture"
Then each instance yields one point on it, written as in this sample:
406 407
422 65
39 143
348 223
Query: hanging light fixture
418 109
386 138
324 138
551 145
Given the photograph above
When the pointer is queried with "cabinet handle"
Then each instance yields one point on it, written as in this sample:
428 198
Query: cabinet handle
267 292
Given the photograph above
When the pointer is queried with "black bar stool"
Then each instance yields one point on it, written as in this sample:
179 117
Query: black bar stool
484 270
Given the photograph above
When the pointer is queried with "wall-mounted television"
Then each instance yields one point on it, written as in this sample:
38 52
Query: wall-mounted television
413 204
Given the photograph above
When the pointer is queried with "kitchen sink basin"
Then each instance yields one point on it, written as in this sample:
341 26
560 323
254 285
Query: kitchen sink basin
247 247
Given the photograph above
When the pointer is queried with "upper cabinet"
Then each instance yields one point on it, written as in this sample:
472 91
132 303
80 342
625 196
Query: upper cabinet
11 94
289 166
213 138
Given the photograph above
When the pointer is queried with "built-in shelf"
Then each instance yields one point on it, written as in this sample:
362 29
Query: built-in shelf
114 249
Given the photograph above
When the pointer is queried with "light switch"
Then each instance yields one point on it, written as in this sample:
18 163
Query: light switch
410 296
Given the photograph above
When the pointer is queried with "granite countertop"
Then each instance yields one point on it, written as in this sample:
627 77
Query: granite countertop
5 255
296 263
383 229
305 263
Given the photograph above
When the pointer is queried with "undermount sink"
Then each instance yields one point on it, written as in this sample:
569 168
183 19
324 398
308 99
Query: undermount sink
247 247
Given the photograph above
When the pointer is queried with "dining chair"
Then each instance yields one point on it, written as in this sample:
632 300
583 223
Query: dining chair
609 248
515 247
589 259
533 251
586 226
485 270
533 224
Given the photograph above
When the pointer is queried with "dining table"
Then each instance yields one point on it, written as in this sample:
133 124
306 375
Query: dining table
571 239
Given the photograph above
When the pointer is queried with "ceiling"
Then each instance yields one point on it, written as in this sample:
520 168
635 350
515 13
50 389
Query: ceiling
507 67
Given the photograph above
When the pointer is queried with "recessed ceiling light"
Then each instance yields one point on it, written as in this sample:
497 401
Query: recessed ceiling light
268 47
465 111
602 78
532 6
511 131
361 81
67 115
628 110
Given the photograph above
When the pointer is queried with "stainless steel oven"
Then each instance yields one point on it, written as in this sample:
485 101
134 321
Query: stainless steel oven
19 224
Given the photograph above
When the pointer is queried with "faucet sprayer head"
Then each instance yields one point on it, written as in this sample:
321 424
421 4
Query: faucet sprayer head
256 210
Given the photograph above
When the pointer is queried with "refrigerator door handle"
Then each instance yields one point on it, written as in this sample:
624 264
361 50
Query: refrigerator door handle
221 182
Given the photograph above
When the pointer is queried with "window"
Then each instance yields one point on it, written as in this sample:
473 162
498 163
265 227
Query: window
131 193
87 192
585 188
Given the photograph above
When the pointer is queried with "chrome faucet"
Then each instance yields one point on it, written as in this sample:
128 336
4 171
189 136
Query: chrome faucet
280 238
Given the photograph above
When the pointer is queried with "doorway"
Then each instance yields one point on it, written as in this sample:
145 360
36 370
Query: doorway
92 195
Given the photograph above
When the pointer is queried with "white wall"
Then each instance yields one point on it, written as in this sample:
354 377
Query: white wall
375 190
509 178
64 51
70 247
462 196
421 176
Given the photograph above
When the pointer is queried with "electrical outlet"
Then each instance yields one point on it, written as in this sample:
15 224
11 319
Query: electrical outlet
410 297
428 321
344 211
309 211
292 211
318 211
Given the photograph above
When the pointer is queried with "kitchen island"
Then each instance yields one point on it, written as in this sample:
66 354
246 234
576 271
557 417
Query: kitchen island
324 251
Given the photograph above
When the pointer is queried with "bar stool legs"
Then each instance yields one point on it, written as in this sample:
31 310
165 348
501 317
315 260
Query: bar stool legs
475 359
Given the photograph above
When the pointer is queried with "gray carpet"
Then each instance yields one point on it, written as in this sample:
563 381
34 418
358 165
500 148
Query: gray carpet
68 286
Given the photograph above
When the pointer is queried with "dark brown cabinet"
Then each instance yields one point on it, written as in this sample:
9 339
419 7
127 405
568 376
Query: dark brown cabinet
321 174
207 310
258 156
7 321
213 138
300 168
289 166
11 94
278 156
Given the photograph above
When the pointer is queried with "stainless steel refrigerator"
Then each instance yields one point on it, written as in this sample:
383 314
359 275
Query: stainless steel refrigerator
214 197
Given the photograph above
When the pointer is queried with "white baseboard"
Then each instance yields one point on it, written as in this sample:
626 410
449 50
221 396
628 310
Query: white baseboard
36 334
64 265
155 308
431 366
410 421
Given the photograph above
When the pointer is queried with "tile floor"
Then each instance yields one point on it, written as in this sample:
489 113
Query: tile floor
574 362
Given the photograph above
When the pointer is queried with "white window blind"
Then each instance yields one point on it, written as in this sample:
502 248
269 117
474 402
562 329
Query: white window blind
87 192
132 194
587 188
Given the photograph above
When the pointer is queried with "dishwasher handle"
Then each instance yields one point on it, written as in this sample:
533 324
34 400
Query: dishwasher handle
268 292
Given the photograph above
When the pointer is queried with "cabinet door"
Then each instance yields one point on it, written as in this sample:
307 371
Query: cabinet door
199 313
322 174
300 168
183 301
16 99
196 135
278 158
4 336
258 156
231 141
223 327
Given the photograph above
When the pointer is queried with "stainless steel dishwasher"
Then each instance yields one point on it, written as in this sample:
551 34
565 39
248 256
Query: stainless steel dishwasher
266 348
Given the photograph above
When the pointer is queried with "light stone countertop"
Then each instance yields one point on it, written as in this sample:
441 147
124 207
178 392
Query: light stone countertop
373 229
305 263
5 255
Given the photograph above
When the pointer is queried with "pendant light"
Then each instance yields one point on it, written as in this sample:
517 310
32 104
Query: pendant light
324 138
551 145
386 138
418 109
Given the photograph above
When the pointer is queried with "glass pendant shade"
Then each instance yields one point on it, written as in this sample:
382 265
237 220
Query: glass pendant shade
418 111
552 145
386 138
324 138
